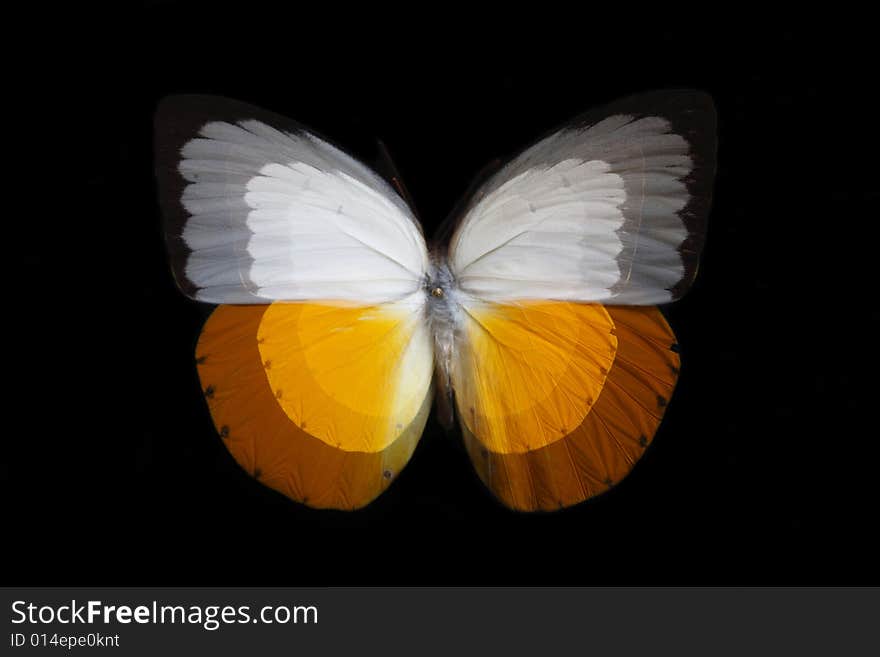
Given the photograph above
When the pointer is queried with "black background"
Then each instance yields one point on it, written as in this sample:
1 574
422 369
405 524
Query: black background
763 471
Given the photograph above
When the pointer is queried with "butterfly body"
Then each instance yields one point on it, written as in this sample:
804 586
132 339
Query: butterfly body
534 321
444 316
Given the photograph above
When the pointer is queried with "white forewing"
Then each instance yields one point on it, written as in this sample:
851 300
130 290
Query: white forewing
594 212
270 214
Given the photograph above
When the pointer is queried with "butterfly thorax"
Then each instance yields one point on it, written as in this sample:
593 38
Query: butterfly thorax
444 317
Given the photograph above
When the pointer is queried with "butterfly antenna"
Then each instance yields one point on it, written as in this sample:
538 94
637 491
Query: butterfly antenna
448 226
391 172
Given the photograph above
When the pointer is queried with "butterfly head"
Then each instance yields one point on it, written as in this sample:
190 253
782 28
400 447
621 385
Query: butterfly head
441 288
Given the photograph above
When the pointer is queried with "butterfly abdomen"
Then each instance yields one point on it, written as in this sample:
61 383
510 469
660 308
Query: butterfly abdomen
444 317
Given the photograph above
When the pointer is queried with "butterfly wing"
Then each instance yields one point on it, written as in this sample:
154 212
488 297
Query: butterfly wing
558 395
611 208
317 369
259 209
323 403
558 400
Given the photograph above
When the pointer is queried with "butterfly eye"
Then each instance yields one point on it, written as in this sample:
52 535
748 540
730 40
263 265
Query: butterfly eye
437 292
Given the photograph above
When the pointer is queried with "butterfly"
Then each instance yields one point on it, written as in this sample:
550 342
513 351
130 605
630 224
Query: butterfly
533 318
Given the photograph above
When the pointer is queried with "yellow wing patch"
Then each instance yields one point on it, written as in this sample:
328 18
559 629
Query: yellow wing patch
351 376
527 374
615 426
356 455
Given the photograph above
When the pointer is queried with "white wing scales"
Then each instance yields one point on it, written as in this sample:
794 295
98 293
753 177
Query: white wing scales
607 211
610 208
269 214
